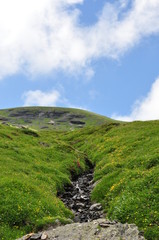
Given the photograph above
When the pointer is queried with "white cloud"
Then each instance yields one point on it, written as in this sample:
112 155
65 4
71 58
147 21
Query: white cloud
146 109
40 36
39 98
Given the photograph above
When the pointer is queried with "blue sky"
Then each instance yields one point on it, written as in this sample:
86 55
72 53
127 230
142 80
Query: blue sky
92 54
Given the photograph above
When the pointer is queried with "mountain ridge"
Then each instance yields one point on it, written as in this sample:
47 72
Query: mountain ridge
56 118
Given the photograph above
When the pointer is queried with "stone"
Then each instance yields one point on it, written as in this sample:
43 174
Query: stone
77 122
91 231
51 122
80 204
57 222
36 236
96 206
26 237
44 236
95 184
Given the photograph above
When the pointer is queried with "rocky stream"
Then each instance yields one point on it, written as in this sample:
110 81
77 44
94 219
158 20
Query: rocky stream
89 222
77 198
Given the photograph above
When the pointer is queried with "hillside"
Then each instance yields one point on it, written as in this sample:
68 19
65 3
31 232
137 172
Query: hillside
35 165
126 158
51 118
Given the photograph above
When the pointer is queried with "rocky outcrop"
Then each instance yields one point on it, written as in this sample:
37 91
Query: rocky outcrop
44 118
100 229
77 122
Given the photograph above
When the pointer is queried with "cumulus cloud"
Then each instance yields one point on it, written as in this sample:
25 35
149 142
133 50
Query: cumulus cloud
39 98
40 36
146 109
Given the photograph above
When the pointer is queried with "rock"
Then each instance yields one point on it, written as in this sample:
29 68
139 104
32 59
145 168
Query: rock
44 236
5 123
3 118
51 122
80 204
107 222
94 230
36 236
26 237
77 122
84 197
57 221
96 206
95 184
91 231
104 225
43 127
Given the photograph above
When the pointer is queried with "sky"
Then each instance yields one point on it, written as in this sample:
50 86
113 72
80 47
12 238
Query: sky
98 55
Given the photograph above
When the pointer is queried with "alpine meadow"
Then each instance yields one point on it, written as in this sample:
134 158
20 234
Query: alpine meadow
39 158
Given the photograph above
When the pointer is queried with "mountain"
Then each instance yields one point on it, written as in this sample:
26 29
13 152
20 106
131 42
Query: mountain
51 118
35 166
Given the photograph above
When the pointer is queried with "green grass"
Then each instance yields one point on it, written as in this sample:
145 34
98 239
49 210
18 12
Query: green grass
35 165
127 168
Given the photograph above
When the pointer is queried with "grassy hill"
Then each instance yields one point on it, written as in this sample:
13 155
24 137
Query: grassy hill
51 118
35 165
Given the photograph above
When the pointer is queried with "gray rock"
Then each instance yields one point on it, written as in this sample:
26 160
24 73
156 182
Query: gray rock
44 236
36 236
96 206
94 231
95 184
26 237
51 122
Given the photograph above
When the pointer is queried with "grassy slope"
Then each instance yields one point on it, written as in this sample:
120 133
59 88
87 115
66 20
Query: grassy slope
62 122
127 168
34 166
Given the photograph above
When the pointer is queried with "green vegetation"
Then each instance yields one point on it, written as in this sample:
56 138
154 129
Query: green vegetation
127 168
35 165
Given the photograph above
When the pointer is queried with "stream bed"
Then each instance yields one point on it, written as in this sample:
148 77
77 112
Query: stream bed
77 198
89 222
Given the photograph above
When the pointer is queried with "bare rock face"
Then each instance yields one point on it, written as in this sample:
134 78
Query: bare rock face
100 229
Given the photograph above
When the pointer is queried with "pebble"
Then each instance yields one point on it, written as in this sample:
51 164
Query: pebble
36 236
44 236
